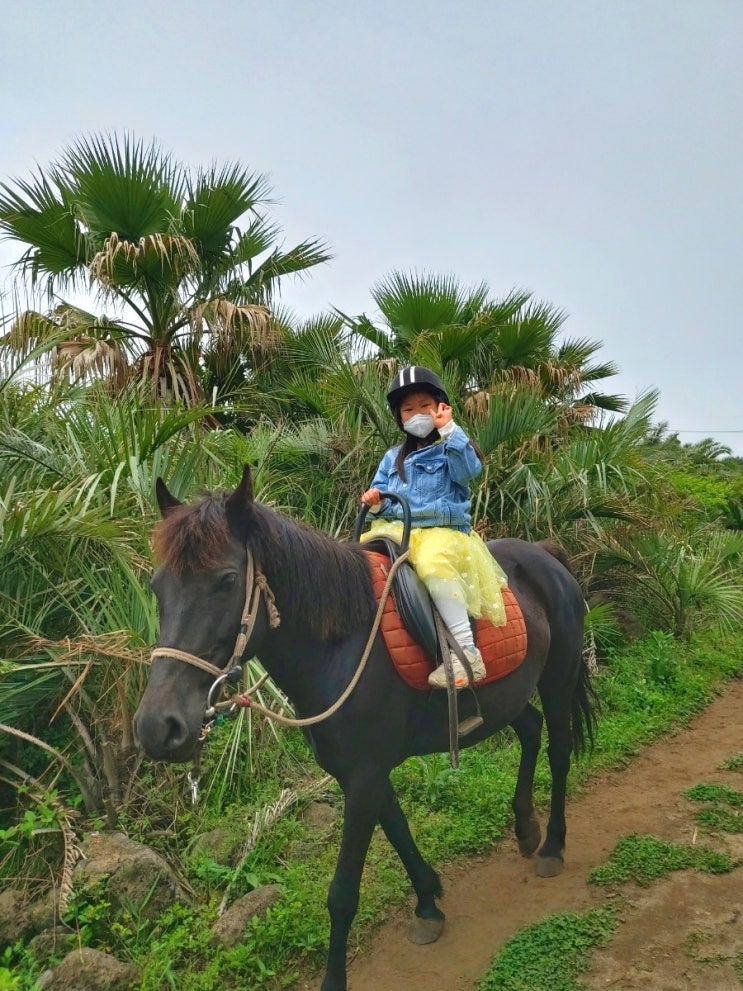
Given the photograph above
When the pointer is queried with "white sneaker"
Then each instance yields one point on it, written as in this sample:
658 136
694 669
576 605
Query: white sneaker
437 678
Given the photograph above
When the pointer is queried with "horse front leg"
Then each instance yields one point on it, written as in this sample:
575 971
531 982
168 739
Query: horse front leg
428 921
528 728
363 798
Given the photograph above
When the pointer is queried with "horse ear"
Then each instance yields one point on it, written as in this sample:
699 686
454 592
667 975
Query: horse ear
165 500
240 503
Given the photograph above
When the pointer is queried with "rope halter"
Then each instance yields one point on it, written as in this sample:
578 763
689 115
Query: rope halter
256 585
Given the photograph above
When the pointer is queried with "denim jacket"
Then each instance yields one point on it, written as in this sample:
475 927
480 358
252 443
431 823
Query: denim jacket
437 486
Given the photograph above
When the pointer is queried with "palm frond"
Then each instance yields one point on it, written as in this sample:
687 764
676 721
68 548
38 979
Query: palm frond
216 200
412 302
37 214
509 416
166 258
122 186
235 330
85 356
263 282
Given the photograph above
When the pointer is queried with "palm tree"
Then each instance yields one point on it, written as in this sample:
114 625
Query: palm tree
161 246
480 344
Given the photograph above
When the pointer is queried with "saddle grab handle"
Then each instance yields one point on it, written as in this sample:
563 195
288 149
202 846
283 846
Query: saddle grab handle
405 519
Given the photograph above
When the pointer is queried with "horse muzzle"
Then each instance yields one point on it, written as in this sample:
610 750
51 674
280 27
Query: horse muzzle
164 733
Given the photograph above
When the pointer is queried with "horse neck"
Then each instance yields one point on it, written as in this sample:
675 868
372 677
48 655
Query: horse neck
323 595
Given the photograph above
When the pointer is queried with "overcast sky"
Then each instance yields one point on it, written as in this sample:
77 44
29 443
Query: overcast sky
591 152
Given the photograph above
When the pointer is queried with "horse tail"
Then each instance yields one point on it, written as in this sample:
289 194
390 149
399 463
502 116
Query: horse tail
584 704
557 551
584 708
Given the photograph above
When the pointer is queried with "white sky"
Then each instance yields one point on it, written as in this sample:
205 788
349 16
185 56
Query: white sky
588 150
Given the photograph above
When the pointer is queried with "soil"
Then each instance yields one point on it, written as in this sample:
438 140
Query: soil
681 932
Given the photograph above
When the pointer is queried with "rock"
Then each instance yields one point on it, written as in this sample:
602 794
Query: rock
221 845
136 877
44 913
229 929
319 819
89 970
53 942
14 919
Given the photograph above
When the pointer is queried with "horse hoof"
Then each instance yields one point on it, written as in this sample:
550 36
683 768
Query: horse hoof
549 866
530 839
425 930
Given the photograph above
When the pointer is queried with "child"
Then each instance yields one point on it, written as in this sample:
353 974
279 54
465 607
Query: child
432 468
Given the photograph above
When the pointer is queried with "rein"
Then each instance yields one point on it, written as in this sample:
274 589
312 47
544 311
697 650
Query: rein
255 586
245 701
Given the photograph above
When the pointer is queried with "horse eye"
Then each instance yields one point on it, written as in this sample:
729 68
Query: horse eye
228 580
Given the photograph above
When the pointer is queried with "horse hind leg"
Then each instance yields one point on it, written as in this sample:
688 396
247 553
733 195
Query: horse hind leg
528 729
559 748
428 920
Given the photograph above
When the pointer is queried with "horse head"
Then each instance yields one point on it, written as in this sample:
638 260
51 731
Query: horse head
200 585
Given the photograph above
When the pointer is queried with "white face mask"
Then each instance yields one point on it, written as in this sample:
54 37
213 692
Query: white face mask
419 425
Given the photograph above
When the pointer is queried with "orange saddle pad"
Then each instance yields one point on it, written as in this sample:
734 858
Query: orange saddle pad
503 648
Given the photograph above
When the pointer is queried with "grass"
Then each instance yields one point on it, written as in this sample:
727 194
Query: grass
723 807
734 763
550 955
643 859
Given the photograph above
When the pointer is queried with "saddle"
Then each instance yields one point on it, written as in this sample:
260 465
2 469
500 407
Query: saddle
417 642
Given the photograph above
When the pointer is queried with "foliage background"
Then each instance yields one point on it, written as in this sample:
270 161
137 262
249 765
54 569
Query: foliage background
184 366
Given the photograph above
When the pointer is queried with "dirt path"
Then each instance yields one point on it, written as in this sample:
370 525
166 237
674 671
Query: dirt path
489 899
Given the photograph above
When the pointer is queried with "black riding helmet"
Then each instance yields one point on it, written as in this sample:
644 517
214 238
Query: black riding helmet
415 378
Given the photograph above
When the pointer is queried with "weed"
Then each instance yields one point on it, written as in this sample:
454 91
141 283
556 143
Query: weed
663 656
438 778
549 955
7 981
695 948
734 763
723 811
17 968
643 859
720 794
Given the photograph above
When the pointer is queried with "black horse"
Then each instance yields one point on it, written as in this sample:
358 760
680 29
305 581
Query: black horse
323 593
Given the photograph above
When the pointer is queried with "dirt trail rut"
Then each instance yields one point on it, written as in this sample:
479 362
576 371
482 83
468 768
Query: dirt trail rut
489 899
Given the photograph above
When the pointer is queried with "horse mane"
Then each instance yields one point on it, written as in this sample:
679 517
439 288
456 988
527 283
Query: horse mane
324 583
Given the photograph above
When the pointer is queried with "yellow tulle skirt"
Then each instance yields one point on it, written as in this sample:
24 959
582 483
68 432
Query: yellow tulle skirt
442 556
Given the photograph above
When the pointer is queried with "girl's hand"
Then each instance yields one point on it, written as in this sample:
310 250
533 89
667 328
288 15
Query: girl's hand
372 497
441 415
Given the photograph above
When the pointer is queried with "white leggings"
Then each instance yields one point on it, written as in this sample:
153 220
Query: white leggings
449 600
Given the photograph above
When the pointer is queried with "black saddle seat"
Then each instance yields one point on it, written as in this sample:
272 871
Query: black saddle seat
411 597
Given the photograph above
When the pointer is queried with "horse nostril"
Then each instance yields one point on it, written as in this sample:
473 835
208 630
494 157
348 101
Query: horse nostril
163 735
176 732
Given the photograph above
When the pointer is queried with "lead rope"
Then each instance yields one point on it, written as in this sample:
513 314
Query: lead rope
247 702
255 585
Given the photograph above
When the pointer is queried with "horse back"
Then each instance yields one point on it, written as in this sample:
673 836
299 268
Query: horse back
539 574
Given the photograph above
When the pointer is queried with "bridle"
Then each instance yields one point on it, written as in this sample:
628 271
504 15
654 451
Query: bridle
256 586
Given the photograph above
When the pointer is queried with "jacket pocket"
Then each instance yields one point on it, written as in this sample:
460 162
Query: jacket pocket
430 480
